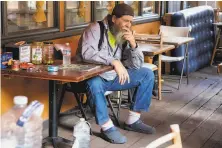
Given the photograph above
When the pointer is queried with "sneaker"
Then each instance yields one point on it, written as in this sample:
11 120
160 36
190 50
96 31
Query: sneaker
140 127
112 135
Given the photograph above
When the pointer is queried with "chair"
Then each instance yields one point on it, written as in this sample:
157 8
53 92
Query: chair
79 95
174 136
170 31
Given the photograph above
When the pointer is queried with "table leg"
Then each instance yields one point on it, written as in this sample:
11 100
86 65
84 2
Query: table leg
159 78
53 118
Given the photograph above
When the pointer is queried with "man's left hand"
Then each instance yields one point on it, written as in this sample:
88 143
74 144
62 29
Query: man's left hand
128 35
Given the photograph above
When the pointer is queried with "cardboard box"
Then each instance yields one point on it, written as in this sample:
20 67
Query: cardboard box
19 52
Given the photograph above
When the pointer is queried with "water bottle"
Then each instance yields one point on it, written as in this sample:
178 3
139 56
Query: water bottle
29 131
66 55
82 134
8 123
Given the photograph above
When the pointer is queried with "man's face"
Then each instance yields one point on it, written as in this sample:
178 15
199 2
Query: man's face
120 24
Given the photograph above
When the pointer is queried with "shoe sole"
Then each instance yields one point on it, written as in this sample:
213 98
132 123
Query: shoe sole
139 131
109 140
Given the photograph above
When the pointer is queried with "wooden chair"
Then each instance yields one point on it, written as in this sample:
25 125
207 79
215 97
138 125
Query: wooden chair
174 136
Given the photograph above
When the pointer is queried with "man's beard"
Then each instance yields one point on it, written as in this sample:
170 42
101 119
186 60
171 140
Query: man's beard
118 33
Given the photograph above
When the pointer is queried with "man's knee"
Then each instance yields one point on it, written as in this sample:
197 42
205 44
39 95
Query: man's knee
95 85
148 73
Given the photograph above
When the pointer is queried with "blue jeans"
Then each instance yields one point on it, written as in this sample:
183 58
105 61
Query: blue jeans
142 79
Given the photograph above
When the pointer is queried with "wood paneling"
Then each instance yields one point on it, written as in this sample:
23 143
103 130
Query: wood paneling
149 28
73 41
62 16
32 88
219 4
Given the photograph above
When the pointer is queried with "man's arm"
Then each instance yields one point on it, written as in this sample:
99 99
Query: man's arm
90 52
133 57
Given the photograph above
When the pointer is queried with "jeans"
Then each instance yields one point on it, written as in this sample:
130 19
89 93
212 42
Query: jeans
142 79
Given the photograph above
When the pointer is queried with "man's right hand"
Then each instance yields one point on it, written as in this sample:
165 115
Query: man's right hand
121 71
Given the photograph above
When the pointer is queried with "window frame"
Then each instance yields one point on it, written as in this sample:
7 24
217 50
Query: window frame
140 19
25 33
60 30
74 27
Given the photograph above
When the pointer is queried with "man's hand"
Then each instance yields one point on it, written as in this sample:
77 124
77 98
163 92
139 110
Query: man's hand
121 71
129 36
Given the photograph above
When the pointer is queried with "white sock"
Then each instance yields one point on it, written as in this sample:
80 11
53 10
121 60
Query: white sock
133 117
107 125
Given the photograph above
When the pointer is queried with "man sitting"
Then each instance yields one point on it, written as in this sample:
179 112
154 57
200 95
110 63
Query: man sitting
111 42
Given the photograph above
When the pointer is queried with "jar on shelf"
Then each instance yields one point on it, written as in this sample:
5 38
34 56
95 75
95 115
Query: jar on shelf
48 53
37 52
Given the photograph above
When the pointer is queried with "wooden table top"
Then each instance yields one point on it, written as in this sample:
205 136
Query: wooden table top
177 41
154 49
61 75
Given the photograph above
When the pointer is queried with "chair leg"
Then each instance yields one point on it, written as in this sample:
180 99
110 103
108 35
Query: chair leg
181 76
112 110
155 87
187 63
80 105
59 105
185 56
119 105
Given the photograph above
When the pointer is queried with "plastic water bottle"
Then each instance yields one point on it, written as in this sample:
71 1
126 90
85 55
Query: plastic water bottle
21 127
82 134
8 123
29 131
66 55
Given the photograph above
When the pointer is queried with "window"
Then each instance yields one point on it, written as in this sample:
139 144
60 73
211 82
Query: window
47 20
174 6
77 13
103 8
148 7
189 4
29 15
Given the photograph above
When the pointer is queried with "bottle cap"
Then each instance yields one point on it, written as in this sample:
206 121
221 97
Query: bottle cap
82 119
20 100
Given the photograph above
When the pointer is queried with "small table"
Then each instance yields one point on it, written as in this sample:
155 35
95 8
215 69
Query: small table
53 77
219 26
152 50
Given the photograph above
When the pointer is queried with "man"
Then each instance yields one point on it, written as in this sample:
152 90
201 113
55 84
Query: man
120 50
